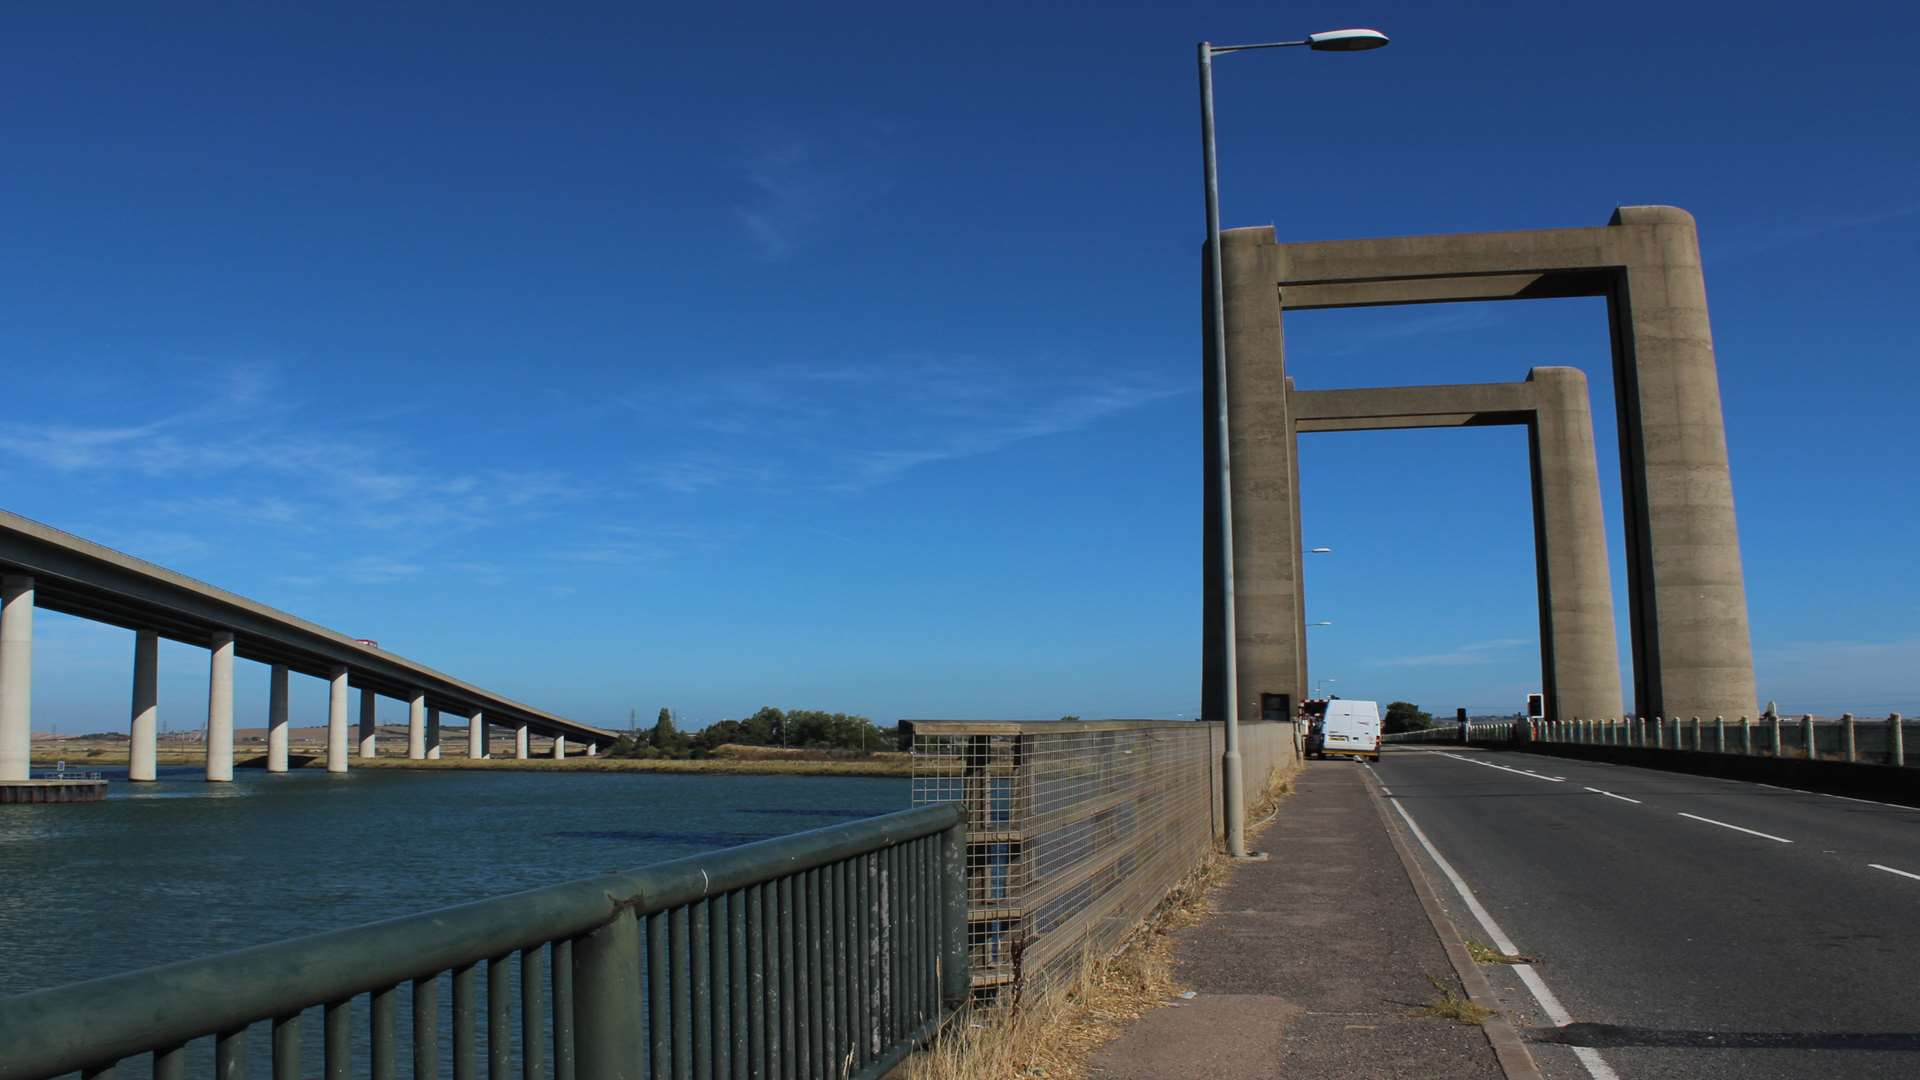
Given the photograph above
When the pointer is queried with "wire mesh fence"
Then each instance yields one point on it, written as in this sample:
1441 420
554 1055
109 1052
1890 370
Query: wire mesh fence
1076 831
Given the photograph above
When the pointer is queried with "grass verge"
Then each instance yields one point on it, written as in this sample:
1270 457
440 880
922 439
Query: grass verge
1483 953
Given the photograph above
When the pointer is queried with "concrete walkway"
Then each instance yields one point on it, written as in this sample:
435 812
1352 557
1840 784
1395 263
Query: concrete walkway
1311 964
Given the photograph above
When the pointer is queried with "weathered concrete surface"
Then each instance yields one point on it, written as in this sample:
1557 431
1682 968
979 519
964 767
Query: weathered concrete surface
220 709
277 719
144 730
1692 650
1312 964
52 791
337 721
477 734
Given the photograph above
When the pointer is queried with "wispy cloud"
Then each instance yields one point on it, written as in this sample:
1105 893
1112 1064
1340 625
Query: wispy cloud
1759 239
628 545
799 193
1467 655
849 427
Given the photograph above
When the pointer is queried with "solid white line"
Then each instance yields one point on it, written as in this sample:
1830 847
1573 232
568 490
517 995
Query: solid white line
1736 828
1597 1066
1611 795
1891 870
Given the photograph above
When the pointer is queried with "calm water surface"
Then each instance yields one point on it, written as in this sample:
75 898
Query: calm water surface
181 868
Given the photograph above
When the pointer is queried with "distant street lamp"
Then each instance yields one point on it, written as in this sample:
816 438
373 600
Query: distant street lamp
1320 551
1232 783
1322 622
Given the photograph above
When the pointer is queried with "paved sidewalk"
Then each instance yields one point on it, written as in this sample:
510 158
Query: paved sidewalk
1312 963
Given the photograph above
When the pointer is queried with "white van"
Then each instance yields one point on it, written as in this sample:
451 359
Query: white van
1351 729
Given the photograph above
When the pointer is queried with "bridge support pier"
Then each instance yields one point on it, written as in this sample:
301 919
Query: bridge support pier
144 733
593 749
559 747
16 677
520 742
337 721
369 725
417 727
477 735
220 709
277 720
433 733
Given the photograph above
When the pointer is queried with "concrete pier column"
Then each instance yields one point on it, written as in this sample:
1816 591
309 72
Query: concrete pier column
16 677
433 733
559 747
369 723
477 735
417 727
277 720
143 743
520 738
1581 659
337 721
220 709
593 749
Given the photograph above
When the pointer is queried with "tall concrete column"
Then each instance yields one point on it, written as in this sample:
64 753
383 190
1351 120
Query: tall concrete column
1582 661
477 735
16 677
433 733
417 727
143 743
369 723
1693 652
559 746
1270 654
520 739
337 742
277 720
220 709
593 749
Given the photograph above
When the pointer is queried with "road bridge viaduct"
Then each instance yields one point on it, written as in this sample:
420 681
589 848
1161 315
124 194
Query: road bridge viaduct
44 567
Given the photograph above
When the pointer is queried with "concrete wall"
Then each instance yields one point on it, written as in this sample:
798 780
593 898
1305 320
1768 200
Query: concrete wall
1267 751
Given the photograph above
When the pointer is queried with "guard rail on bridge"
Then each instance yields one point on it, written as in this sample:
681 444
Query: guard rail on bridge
826 954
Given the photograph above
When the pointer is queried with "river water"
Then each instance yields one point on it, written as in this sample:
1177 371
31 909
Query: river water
181 868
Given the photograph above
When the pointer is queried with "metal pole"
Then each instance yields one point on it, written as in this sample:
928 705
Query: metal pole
1233 811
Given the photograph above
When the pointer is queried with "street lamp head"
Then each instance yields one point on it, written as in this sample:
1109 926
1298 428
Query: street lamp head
1359 40
1323 551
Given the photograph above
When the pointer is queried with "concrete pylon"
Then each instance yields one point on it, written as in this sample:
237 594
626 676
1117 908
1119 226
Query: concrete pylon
433 733
277 720
417 727
337 743
559 746
144 736
1581 664
220 709
369 723
593 749
477 735
16 677
520 740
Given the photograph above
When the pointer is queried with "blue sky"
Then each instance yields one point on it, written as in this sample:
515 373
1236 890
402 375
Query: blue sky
847 357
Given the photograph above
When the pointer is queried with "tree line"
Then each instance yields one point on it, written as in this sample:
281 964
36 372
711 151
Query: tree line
800 729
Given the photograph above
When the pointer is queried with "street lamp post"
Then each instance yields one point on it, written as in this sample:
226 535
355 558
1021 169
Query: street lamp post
1232 781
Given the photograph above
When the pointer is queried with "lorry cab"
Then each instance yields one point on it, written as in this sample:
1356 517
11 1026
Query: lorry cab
1351 729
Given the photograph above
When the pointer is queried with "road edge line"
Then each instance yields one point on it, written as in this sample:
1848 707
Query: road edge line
1509 1049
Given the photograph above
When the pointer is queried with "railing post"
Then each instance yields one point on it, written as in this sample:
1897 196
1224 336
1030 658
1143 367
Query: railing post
1779 748
1848 746
1696 735
956 979
1719 734
1746 736
1806 736
607 1024
1896 741
1659 733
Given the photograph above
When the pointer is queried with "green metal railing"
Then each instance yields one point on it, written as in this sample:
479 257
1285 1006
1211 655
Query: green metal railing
825 954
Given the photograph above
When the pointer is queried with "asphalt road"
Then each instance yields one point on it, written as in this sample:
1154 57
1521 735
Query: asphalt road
1677 945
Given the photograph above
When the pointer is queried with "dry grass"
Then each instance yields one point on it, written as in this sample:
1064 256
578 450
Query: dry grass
1484 953
1451 1006
1057 1034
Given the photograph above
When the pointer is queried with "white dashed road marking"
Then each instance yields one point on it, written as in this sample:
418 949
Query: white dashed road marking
1736 828
1891 870
1611 795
